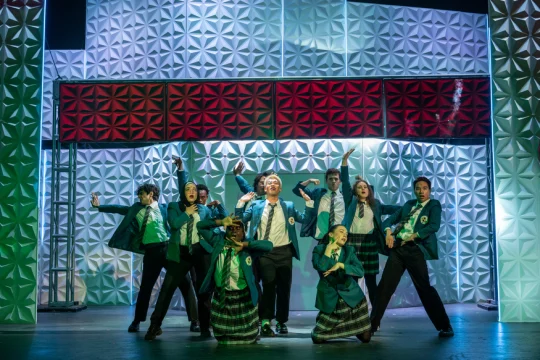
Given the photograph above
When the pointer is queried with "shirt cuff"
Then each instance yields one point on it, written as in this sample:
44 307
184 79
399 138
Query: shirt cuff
310 203
240 204
387 229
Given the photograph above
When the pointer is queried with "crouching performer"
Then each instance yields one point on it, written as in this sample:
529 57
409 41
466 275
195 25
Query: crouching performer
234 315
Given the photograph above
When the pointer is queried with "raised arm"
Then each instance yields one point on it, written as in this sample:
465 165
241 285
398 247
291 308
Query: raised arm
110 209
242 183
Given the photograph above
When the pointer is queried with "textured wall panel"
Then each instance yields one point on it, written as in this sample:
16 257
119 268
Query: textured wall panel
314 38
516 114
240 38
112 112
220 111
328 109
396 40
71 65
21 49
103 274
437 108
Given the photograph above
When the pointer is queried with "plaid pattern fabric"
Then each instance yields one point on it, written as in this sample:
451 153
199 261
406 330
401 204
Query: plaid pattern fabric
343 322
238 321
366 250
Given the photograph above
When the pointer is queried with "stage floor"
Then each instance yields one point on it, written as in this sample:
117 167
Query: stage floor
101 333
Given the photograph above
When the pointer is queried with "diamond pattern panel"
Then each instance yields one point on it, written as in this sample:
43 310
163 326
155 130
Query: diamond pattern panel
21 46
103 274
314 38
515 95
437 108
240 38
136 40
112 112
405 41
220 111
71 65
328 109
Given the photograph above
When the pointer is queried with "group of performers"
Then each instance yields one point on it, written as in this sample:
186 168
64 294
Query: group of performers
219 260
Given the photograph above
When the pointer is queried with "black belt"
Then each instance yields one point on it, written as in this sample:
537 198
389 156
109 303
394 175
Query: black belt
154 245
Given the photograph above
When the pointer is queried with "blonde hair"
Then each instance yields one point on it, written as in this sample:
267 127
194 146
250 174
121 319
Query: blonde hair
275 177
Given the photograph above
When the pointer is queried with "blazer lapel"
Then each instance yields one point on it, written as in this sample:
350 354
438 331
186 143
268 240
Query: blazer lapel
285 210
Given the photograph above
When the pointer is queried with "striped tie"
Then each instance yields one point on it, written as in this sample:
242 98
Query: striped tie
189 235
402 223
225 276
361 209
269 223
332 216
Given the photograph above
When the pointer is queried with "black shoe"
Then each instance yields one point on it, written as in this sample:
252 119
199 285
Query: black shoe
267 331
134 327
281 328
448 332
194 327
315 341
153 331
205 334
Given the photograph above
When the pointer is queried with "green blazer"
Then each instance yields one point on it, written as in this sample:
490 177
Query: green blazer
176 219
125 237
247 255
427 225
339 283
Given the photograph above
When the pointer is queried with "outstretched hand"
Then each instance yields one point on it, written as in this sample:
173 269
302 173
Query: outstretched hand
95 200
239 168
178 162
336 267
304 195
247 197
345 158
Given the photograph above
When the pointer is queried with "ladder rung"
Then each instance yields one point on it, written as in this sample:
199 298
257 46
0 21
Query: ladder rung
62 269
63 203
63 236
63 169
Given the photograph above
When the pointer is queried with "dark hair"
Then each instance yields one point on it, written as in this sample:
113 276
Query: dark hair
326 238
332 171
149 188
424 179
370 197
203 187
259 177
183 200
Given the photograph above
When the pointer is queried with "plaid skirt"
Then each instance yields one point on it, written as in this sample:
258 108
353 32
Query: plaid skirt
238 321
343 322
365 246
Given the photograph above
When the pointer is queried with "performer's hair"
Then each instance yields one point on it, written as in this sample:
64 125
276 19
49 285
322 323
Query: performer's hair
183 199
149 188
326 237
273 176
203 187
259 177
371 197
424 179
332 171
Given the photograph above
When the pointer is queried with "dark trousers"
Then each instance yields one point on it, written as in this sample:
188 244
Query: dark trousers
200 260
410 258
371 284
155 259
275 270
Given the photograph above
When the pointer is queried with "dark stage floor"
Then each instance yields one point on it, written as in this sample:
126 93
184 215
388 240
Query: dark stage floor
101 333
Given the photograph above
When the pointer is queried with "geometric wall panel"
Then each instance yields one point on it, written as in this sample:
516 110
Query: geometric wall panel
385 40
329 109
437 108
516 130
314 38
220 111
112 112
21 72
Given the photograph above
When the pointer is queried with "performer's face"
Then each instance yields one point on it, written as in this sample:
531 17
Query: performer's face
235 231
422 191
362 190
145 199
191 193
339 235
333 182
273 187
203 197
260 186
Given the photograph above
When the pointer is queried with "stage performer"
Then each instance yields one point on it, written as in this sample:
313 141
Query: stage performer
364 225
343 309
185 251
330 203
258 183
411 243
144 230
234 316
273 219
